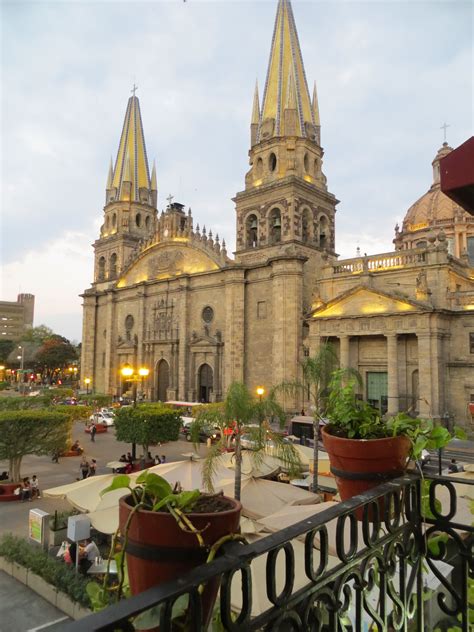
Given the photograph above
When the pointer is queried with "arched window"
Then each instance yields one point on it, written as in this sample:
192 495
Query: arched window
138 220
147 221
113 266
114 220
275 226
251 225
306 163
101 270
259 168
316 167
323 231
107 222
272 162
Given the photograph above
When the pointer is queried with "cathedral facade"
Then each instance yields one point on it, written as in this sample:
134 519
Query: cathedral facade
166 295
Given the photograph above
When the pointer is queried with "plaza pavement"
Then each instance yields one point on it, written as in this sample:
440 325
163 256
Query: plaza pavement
14 515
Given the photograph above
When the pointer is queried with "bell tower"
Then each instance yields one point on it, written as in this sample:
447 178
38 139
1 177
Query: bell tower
131 199
285 198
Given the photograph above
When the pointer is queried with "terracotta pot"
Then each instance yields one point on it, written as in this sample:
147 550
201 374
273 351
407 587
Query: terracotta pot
159 551
361 464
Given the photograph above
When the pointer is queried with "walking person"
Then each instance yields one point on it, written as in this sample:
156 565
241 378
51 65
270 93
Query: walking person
84 467
93 431
92 467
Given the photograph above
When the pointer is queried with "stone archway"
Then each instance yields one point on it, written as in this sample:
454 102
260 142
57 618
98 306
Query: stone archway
205 383
162 380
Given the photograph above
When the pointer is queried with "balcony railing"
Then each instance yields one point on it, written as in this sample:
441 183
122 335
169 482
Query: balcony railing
389 570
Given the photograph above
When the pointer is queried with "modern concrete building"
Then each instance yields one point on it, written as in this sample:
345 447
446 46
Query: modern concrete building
16 316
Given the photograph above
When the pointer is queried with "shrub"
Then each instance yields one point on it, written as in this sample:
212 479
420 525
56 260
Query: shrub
147 424
4 386
53 571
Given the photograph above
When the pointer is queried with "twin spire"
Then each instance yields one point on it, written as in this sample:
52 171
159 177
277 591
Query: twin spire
286 87
131 173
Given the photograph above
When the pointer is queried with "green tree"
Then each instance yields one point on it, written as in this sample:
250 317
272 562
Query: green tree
317 373
147 424
237 412
55 353
6 347
37 334
31 432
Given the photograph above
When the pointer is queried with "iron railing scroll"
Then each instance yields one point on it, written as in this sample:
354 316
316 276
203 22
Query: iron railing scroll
371 563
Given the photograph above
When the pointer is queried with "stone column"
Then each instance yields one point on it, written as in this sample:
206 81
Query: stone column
183 339
344 352
392 374
437 365
234 333
424 372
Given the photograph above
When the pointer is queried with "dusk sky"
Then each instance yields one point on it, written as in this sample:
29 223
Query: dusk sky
389 74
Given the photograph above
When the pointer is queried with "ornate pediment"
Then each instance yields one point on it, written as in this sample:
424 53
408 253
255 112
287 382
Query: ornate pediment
365 301
162 261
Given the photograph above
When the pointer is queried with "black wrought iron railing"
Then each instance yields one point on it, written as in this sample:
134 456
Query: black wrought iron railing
369 563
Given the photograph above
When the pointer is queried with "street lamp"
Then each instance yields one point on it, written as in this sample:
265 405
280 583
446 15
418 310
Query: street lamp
87 381
260 392
129 374
22 362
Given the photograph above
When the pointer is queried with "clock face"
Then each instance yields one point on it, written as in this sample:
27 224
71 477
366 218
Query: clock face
166 233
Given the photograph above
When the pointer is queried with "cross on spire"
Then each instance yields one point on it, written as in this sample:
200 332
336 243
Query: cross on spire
444 127
170 198
134 89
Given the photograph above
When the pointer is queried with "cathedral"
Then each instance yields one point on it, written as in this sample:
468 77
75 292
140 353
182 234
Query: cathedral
166 294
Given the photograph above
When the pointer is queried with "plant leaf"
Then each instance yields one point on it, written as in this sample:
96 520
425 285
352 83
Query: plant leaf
120 482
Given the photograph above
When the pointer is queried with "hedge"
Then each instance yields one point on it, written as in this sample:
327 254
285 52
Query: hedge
52 570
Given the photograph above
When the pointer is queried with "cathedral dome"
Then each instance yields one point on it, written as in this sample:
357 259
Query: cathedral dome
435 212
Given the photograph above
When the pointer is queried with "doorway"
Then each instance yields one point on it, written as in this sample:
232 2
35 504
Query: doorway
205 383
377 390
163 380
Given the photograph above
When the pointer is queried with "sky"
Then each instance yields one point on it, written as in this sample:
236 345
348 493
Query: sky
389 75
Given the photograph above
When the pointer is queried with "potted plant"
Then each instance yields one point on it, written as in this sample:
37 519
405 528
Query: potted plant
364 450
167 531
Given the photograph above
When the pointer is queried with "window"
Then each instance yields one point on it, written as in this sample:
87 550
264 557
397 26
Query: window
261 310
323 231
147 222
101 270
471 342
275 226
306 163
207 314
259 168
114 220
138 220
252 231
272 162
113 266
470 250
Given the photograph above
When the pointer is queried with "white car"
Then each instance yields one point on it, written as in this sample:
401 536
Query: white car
102 418
108 411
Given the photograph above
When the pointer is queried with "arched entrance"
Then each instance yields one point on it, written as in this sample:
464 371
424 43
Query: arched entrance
205 383
162 380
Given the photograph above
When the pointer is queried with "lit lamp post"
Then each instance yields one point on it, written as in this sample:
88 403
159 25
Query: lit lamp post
260 393
87 381
129 375
22 363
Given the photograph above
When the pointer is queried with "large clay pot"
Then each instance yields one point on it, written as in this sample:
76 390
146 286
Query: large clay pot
159 551
361 464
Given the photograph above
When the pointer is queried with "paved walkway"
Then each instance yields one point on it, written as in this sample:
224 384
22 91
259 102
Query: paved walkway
14 515
22 610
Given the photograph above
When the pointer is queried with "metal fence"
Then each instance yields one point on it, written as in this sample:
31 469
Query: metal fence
369 563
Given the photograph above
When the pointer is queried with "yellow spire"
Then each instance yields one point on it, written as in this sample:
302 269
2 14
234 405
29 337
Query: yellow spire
132 163
111 175
256 107
153 186
315 107
285 59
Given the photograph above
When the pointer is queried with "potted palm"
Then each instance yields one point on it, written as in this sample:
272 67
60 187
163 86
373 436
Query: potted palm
364 450
167 531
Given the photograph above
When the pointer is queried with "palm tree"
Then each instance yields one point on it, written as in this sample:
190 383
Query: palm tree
317 373
239 409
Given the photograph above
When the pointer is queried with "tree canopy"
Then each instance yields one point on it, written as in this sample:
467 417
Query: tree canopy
147 424
37 334
31 432
6 347
55 353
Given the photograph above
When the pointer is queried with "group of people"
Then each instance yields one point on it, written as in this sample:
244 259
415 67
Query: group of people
87 468
88 552
29 489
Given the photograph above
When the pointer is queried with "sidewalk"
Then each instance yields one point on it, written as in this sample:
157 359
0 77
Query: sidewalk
14 515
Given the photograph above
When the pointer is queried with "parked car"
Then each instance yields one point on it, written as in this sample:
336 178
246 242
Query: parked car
205 433
102 418
108 411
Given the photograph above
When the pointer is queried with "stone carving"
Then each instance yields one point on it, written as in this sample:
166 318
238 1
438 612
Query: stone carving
422 289
166 261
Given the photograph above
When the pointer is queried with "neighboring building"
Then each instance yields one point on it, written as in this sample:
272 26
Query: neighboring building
167 295
16 316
